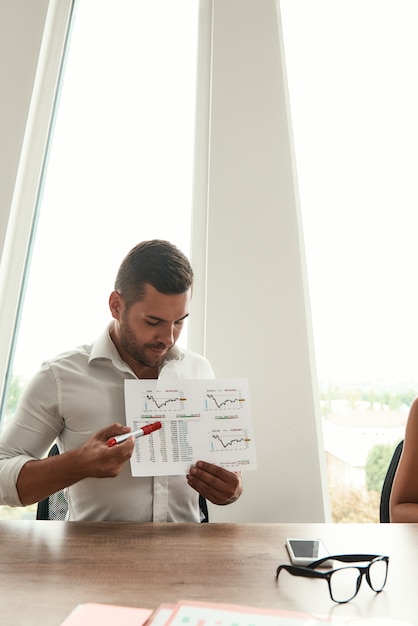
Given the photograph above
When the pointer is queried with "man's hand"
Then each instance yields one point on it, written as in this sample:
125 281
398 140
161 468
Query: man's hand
100 461
216 484
94 459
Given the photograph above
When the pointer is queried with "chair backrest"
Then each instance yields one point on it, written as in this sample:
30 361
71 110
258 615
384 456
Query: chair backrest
387 484
55 507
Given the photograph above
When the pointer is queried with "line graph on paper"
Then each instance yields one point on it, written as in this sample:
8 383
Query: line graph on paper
165 400
228 399
229 440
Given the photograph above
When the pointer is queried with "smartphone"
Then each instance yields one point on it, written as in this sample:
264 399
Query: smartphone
305 551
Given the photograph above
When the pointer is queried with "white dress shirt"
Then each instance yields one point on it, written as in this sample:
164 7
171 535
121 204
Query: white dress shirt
72 397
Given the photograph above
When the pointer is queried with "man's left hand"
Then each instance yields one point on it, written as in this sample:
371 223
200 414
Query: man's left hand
216 484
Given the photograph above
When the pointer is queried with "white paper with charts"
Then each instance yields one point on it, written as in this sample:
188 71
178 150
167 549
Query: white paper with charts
206 420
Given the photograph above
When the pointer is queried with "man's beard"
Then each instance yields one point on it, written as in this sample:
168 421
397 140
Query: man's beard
139 354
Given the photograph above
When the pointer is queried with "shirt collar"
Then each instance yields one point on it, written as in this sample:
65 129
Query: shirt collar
104 348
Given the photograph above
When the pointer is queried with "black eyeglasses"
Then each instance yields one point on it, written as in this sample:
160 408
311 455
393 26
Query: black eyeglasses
344 582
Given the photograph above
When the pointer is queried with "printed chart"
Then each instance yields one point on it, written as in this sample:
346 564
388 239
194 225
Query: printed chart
208 420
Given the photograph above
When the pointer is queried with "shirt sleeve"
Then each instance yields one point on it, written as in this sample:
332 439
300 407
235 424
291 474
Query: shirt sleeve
29 435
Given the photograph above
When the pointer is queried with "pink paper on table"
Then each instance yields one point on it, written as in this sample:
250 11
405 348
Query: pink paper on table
106 615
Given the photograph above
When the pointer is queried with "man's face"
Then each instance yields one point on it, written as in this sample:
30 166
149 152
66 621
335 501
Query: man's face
148 329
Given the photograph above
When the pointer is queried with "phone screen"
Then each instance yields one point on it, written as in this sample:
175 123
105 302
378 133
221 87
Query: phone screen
307 548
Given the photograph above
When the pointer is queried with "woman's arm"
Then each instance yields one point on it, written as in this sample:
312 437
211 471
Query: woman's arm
404 497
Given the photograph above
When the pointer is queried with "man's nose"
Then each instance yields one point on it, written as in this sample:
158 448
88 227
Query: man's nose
166 334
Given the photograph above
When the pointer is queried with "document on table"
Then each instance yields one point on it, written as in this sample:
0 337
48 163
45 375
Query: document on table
195 613
207 420
210 614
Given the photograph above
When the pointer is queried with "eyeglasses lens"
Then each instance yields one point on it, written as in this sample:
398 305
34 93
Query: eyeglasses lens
344 584
377 574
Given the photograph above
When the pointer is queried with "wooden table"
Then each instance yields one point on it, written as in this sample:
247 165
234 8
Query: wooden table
47 568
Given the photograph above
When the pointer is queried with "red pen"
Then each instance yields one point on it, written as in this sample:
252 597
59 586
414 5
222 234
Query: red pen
145 430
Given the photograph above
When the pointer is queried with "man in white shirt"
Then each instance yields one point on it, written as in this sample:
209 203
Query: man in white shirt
77 398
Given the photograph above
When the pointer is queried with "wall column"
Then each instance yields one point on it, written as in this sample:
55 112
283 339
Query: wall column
257 312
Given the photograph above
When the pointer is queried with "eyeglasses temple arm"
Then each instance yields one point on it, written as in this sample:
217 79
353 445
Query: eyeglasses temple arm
300 571
346 558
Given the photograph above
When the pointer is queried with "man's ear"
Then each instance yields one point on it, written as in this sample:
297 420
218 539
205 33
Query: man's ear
115 304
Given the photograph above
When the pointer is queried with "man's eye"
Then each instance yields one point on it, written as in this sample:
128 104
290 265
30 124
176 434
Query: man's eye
152 323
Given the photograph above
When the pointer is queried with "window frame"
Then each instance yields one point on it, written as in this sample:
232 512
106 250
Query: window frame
21 227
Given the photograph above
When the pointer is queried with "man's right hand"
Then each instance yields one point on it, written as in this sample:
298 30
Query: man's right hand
102 461
38 479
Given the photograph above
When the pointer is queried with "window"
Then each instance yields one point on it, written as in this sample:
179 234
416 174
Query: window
353 84
120 168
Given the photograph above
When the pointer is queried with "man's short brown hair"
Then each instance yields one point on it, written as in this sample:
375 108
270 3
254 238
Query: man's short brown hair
158 263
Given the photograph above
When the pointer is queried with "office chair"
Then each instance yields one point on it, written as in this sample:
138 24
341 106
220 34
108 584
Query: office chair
55 506
387 484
